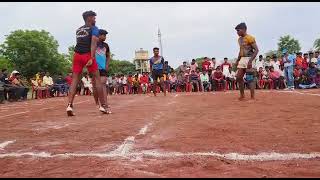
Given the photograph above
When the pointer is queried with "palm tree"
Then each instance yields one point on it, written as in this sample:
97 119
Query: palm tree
316 44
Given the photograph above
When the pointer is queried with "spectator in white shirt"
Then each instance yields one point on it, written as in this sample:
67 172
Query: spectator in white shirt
267 62
231 78
48 82
259 63
204 80
275 63
87 83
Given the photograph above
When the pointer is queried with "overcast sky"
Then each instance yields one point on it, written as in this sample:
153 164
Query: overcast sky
189 29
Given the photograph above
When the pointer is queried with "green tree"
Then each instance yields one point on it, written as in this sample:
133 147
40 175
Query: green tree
6 63
123 67
316 44
289 43
32 51
271 53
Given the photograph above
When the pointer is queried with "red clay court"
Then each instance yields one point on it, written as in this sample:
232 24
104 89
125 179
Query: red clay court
180 135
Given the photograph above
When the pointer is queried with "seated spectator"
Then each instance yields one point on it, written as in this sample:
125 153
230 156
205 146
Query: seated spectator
48 82
297 75
204 79
282 79
318 79
231 78
312 72
275 76
313 59
42 88
10 92
35 86
87 84
22 89
318 59
173 81
266 78
60 85
218 78
144 83
306 83
194 79
261 78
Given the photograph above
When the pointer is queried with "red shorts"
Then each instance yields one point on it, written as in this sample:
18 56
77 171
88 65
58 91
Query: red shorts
80 61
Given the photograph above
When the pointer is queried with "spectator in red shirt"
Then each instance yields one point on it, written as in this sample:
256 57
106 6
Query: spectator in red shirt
297 75
129 83
218 78
305 61
144 81
68 79
275 76
205 64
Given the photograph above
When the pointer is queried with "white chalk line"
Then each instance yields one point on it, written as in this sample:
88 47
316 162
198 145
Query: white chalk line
6 143
14 114
123 152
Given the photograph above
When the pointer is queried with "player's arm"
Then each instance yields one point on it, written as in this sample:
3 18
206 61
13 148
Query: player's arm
256 51
108 54
94 41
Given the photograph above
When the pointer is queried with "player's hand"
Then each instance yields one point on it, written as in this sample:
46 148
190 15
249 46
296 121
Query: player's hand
249 65
89 63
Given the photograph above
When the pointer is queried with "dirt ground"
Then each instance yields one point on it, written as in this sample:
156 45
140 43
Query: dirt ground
180 135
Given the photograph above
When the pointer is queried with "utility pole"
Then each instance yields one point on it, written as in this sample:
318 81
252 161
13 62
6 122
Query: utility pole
160 42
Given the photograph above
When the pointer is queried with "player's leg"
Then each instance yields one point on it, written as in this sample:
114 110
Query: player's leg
163 86
240 74
155 82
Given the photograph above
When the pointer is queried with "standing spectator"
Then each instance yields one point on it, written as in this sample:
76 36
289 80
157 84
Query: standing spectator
136 84
194 65
123 84
299 60
204 79
288 69
130 83
48 82
267 62
318 59
205 64
87 84
166 68
225 66
68 79
313 59
218 79
312 72
259 63
212 64
275 63
261 78
182 69
305 63
194 79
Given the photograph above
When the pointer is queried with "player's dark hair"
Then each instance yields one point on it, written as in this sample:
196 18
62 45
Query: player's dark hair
155 48
87 14
103 32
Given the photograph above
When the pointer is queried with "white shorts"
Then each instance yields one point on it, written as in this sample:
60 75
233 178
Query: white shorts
243 63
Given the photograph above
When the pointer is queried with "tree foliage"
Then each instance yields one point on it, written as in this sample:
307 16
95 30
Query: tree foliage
33 51
316 44
289 43
121 67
